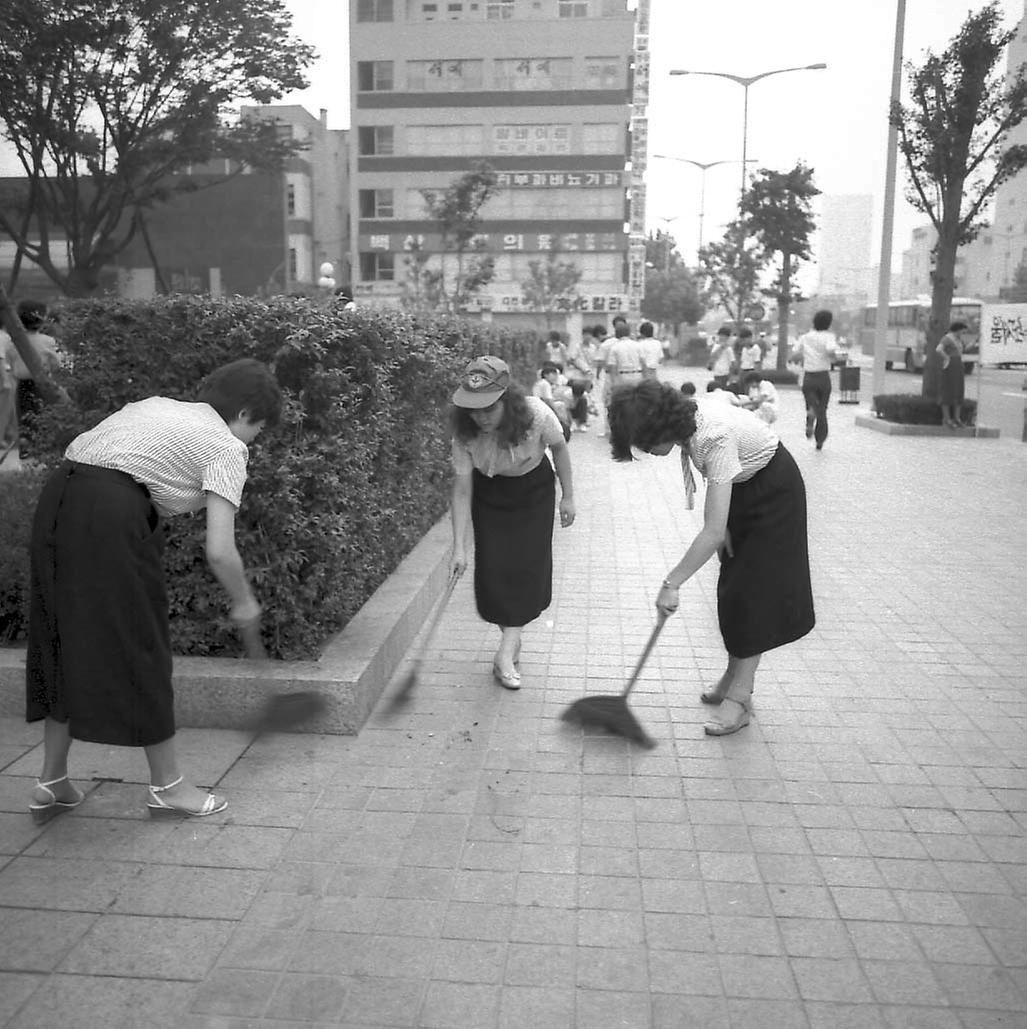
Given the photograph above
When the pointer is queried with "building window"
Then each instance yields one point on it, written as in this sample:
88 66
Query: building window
374 10
290 199
602 138
444 140
377 267
533 73
444 76
531 139
603 73
496 10
375 140
374 76
573 8
376 203
294 264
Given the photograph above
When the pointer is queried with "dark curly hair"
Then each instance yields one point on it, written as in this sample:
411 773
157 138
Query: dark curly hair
517 419
647 413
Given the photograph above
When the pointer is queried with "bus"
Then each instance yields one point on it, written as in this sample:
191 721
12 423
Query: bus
907 331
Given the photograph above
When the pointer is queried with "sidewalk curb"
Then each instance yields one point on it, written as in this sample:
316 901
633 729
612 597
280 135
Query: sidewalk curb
870 421
353 670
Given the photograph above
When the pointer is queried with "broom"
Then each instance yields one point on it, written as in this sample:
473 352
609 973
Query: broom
406 687
611 711
281 711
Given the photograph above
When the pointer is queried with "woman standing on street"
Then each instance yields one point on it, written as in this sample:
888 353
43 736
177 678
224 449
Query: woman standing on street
504 488
951 382
754 518
99 651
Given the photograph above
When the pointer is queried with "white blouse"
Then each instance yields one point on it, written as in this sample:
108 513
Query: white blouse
179 451
491 458
730 444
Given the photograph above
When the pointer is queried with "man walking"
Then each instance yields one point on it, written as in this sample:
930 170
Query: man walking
814 351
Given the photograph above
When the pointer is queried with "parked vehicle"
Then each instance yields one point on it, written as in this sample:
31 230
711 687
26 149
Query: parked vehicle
907 331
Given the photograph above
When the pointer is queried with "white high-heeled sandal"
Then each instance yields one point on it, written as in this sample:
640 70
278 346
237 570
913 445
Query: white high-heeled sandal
161 809
42 813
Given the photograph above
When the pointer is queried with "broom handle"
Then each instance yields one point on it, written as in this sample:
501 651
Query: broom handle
439 611
661 618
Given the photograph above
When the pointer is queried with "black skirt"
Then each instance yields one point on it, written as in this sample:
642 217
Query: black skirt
512 517
764 596
99 653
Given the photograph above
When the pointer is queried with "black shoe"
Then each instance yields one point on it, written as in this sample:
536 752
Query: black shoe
820 445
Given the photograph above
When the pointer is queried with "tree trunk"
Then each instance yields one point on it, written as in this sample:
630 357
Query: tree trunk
784 299
941 308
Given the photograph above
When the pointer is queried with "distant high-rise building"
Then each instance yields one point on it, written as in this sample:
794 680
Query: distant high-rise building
843 249
542 90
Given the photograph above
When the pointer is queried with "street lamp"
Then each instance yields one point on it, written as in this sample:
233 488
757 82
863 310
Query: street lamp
745 81
666 242
704 168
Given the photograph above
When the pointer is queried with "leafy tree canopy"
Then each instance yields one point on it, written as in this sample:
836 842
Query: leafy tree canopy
104 100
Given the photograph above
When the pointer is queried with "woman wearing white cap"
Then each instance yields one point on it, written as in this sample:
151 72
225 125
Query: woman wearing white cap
504 488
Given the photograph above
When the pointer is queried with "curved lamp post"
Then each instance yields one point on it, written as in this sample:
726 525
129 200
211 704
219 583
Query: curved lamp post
745 81
704 168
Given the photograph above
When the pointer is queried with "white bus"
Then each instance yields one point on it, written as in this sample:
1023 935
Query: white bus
907 331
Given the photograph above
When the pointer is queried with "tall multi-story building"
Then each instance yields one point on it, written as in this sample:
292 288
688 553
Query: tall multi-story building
843 250
542 90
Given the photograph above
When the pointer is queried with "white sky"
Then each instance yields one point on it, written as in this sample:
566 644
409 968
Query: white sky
834 120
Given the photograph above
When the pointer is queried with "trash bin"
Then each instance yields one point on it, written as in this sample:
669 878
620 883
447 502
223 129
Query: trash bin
848 384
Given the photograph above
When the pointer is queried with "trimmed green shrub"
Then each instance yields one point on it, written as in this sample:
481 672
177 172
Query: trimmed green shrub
914 409
339 493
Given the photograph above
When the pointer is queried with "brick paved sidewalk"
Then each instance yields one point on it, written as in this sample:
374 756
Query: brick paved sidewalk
856 857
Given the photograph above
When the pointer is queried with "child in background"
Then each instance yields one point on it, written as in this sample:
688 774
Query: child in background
554 394
759 395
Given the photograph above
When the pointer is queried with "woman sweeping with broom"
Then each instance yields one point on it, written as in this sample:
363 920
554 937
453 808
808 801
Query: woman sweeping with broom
754 518
99 653
504 488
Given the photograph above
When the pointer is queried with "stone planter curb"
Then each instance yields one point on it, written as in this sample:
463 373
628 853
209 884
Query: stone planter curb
353 670
871 421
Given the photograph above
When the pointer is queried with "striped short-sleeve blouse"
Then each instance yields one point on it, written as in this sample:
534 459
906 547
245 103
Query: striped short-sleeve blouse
730 444
489 457
179 451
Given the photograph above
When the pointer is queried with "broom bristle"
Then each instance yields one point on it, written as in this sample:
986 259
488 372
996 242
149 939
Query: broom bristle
610 712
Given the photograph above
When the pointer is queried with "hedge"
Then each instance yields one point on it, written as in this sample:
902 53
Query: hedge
337 495
914 409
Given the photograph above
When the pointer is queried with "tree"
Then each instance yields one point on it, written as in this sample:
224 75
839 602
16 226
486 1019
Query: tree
776 209
548 281
457 209
953 137
672 297
106 100
732 268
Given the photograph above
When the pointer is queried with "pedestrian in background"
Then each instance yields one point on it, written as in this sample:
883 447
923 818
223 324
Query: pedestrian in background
722 357
28 396
750 353
759 395
8 389
651 350
754 518
98 666
504 489
579 379
951 381
555 350
815 351
624 358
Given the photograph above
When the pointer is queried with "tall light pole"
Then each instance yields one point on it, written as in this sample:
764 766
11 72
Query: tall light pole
704 168
888 220
745 81
666 242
